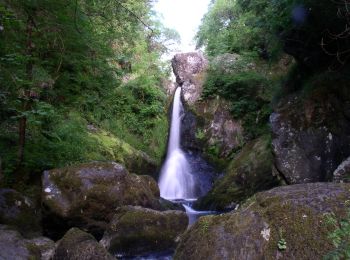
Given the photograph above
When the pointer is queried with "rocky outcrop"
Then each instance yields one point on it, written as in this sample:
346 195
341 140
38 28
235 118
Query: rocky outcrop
19 212
189 70
289 215
249 172
311 137
86 196
79 245
207 125
219 130
137 230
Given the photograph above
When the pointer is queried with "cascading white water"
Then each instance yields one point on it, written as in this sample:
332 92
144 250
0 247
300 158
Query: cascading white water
176 180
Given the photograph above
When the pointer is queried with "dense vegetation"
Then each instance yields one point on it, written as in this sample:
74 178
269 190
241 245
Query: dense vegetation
260 33
71 70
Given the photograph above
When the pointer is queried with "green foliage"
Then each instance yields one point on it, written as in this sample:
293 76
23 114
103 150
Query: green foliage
340 236
244 25
65 65
245 90
282 243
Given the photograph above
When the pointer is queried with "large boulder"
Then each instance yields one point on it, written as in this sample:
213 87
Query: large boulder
284 223
19 212
311 136
189 70
79 245
249 172
137 230
87 195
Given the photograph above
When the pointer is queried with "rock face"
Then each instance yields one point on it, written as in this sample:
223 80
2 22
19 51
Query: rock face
220 130
86 196
137 230
189 71
79 245
249 172
216 129
19 212
294 213
310 137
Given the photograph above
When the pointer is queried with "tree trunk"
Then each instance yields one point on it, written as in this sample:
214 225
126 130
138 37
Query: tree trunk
26 95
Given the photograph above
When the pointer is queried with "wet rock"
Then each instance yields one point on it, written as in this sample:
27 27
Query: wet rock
79 245
137 230
169 205
342 173
14 246
19 212
86 196
294 213
249 172
189 71
311 137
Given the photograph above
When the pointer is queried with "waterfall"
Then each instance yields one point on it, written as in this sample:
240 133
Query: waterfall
176 180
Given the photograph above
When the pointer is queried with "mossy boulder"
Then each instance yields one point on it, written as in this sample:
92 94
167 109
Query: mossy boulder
14 246
79 245
295 214
249 172
137 230
87 195
117 150
19 212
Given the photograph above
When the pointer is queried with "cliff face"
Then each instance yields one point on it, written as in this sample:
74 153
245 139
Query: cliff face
207 124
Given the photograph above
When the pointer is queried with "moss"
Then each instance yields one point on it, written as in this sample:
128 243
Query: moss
249 172
302 228
115 149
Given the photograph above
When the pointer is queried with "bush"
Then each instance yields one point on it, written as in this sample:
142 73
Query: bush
245 90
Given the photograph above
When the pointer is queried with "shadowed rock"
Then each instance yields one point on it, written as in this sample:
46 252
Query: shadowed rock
137 230
79 245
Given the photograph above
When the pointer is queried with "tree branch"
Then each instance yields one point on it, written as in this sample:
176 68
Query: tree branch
135 15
